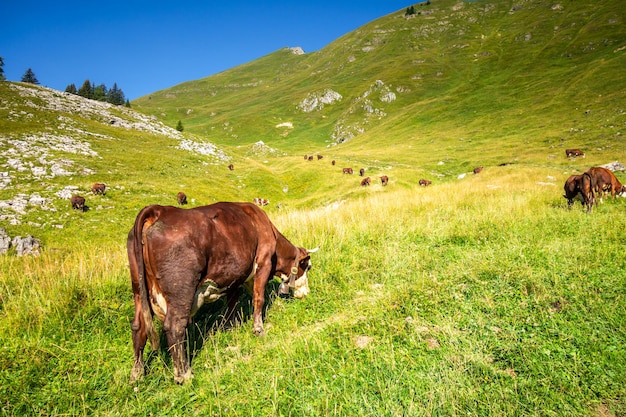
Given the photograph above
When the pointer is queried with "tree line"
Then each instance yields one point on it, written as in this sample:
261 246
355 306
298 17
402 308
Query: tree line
89 90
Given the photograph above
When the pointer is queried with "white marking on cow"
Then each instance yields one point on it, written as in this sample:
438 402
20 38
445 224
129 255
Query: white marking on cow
207 292
159 303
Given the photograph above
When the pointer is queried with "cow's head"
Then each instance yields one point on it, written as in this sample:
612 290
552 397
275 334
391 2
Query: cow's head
297 279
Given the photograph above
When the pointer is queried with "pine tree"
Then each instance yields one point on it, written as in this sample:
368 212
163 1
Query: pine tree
179 126
71 89
2 77
100 93
29 77
127 104
85 90
116 95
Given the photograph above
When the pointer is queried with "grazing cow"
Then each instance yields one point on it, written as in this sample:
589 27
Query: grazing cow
573 152
384 180
306 157
310 158
260 201
181 258
366 181
348 171
231 167
362 171
98 188
425 183
182 198
579 186
78 202
478 170
319 157
332 162
604 181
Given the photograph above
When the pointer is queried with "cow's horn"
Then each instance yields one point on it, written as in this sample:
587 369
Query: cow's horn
315 249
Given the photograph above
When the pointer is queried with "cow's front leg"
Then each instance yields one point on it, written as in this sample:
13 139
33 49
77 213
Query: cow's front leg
175 327
258 300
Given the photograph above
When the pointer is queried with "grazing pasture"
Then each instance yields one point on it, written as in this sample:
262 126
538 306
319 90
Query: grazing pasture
493 299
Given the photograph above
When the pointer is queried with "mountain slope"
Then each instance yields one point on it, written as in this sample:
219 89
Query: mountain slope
526 75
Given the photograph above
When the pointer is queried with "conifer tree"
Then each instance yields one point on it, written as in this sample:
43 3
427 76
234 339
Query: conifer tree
100 93
179 126
116 95
71 89
29 77
85 89
2 77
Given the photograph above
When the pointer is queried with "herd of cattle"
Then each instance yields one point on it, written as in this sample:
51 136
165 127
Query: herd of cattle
223 247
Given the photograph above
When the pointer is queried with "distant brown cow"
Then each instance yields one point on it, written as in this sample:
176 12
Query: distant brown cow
182 198
333 162
425 183
604 181
362 171
231 167
99 188
310 158
319 157
478 170
78 202
348 171
366 181
574 152
306 157
261 201
384 179
579 186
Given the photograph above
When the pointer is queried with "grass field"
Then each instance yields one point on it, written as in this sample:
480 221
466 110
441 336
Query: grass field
472 300
479 295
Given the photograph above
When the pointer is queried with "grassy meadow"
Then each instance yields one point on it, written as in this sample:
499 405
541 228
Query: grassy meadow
480 295
486 299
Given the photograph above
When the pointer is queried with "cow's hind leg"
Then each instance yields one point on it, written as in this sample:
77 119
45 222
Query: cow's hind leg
175 327
140 337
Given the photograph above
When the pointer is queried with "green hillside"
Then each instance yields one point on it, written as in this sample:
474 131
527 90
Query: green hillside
475 83
477 295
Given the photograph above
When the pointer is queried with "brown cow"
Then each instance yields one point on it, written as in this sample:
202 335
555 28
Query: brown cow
384 179
310 158
98 188
333 162
573 152
425 183
231 167
259 201
348 171
478 170
78 202
366 181
362 171
181 258
181 198
604 181
579 186
319 157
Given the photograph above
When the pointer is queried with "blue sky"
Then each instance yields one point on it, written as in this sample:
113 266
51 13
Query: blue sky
146 46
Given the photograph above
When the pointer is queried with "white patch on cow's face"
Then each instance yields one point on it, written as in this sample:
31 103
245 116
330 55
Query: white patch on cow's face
301 287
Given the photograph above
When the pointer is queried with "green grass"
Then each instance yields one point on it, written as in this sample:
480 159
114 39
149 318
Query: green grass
475 296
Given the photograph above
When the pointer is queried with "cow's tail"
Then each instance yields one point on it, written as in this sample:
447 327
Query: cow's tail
147 215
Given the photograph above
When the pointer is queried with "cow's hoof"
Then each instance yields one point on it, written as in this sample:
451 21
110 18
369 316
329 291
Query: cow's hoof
137 373
259 332
181 379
